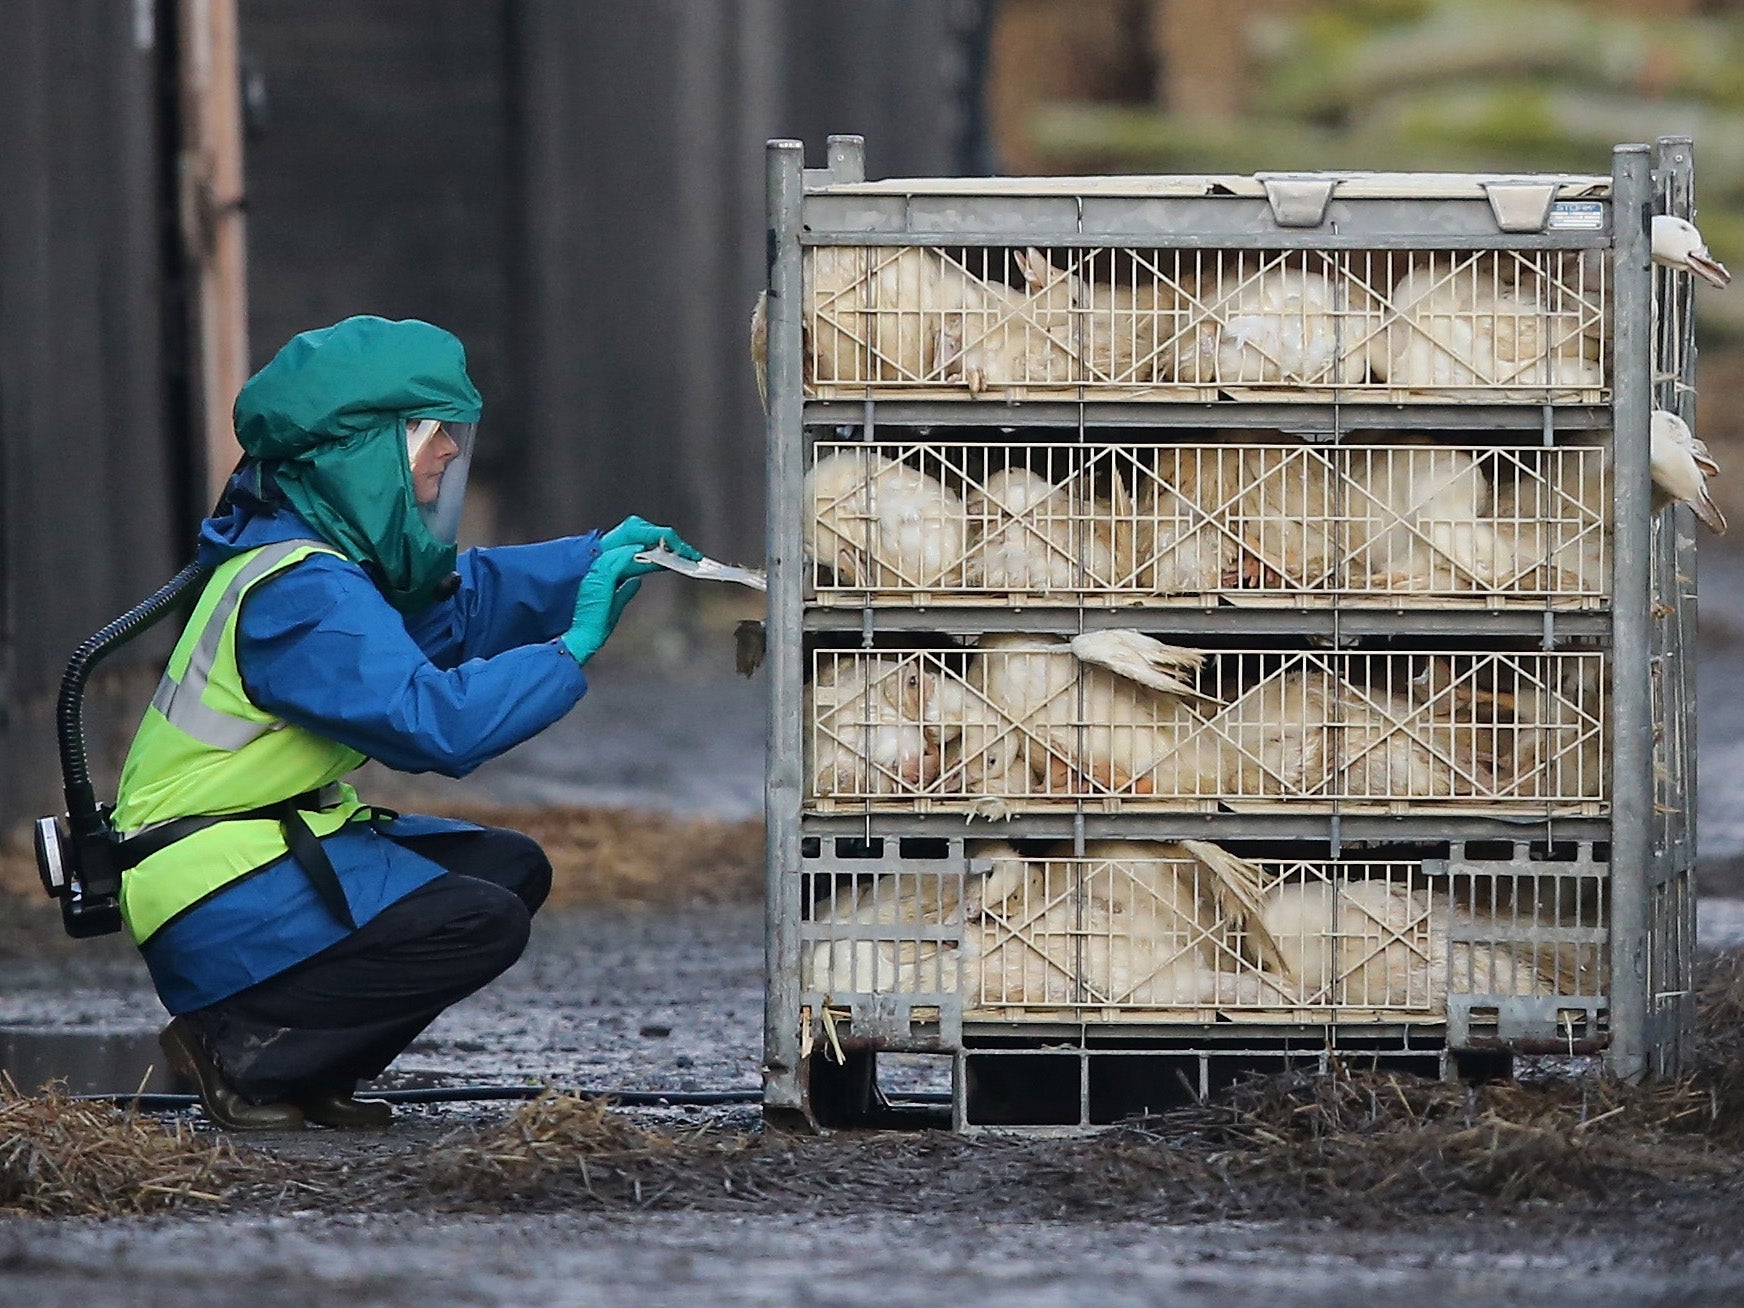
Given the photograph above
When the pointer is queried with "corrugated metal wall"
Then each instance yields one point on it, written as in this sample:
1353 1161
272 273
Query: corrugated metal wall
576 189
89 483
376 169
641 246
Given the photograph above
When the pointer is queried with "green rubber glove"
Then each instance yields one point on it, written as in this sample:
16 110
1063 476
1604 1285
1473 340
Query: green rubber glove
609 585
644 535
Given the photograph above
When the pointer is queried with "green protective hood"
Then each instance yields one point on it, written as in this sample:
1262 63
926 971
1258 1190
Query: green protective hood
328 416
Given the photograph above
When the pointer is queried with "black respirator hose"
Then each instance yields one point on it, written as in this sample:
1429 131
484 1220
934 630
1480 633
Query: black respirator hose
82 812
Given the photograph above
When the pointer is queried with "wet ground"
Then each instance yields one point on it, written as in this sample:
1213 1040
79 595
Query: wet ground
877 1262
672 1000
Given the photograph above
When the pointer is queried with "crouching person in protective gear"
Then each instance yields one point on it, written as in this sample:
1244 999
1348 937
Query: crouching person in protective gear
301 938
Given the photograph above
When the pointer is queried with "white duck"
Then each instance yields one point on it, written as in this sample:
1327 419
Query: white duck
1133 923
1681 467
1552 746
1421 521
1182 543
1273 325
1027 534
1037 714
1678 243
892 314
1556 519
865 726
1458 323
1383 944
1065 327
880 524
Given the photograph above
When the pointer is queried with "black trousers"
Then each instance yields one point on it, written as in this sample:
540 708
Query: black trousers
342 1016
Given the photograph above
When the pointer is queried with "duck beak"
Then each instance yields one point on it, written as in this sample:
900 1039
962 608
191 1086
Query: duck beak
1709 269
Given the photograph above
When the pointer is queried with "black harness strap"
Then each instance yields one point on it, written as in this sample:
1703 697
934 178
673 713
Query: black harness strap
306 849
304 845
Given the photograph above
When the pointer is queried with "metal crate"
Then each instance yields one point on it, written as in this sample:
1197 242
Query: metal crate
1026 724
1407 524
1410 778
1156 324
1167 932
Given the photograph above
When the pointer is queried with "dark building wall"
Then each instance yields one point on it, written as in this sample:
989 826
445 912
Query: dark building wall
90 474
376 170
576 189
642 199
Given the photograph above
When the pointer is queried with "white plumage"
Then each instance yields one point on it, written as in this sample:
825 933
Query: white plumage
866 731
1066 328
1413 516
1677 243
1043 719
1421 519
1383 944
1480 323
1029 534
1117 712
1681 468
1557 521
1134 923
1558 524
1272 325
1280 502
1182 544
908 315
1553 745
1147 924
873 314
877 523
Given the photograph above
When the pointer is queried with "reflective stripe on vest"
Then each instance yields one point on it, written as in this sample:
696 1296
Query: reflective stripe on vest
205 748
180 701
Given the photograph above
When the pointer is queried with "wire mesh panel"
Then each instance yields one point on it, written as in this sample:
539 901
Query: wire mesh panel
1118 721
1402 523
1145 930
1481 326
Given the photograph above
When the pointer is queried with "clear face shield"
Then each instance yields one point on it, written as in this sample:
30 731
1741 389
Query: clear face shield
440 455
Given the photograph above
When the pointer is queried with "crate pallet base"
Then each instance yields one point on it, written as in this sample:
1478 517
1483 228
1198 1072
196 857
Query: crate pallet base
1050 1085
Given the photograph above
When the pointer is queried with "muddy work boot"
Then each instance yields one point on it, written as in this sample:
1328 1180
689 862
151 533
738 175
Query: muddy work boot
344 1112
189 1058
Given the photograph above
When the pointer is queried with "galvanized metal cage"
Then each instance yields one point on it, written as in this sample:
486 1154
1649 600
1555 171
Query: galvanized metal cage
1160 324
1221 622
1025 723
1412 522
1172 933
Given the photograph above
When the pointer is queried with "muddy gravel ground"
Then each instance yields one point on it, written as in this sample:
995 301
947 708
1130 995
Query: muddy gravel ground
876 1262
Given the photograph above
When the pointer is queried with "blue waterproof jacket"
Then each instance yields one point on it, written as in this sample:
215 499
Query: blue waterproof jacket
440 690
